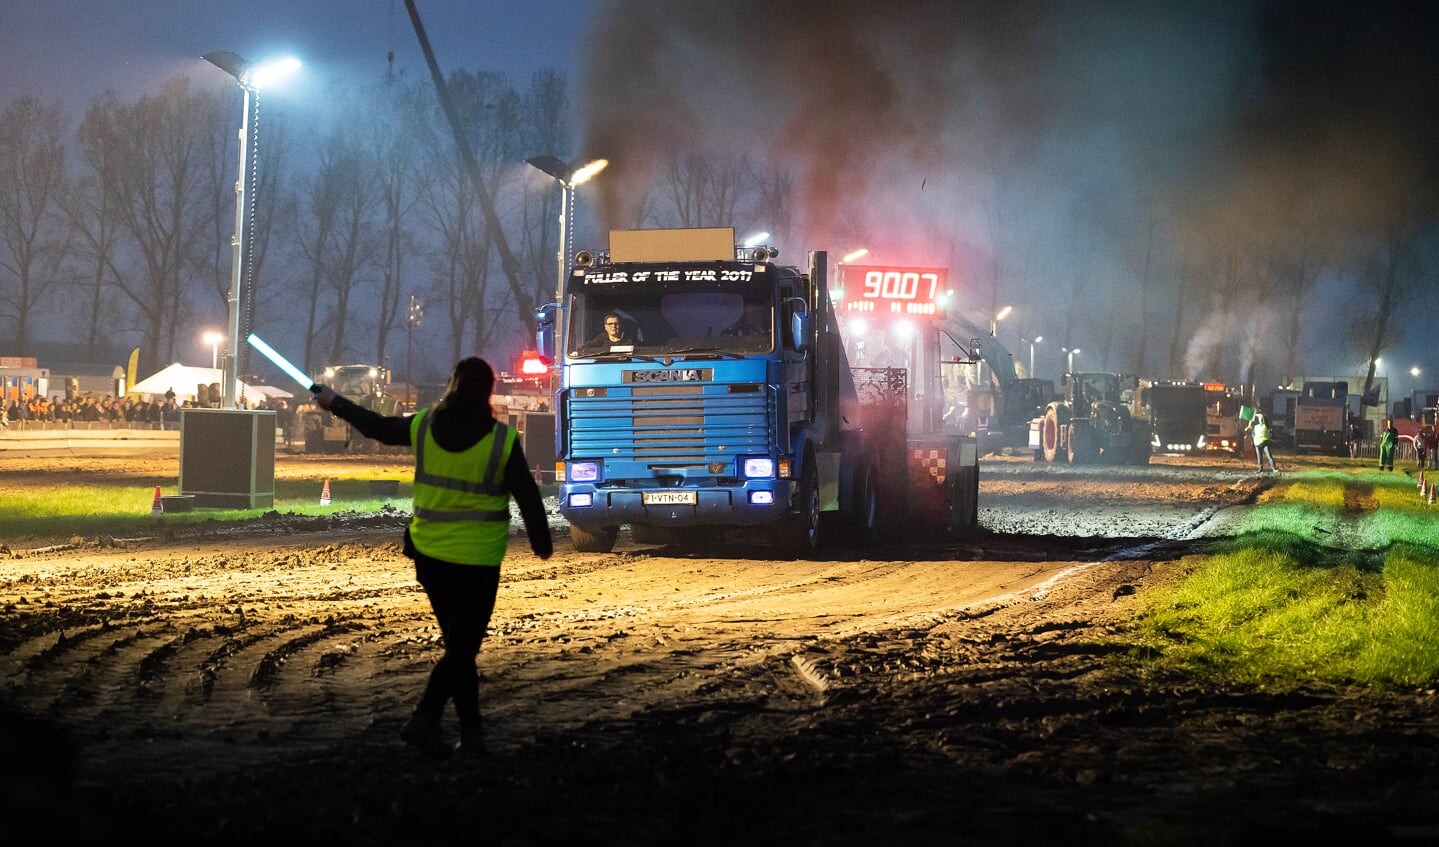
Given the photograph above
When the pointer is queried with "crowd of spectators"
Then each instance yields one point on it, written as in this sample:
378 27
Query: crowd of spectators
106 411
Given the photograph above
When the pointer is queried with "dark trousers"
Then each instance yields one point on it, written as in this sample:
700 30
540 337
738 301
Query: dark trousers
463 597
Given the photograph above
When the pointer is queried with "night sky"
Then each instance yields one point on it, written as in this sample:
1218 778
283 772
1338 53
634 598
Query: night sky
1021 144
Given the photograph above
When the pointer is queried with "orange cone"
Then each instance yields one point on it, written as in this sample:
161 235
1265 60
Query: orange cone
157 508
1432 486
325 494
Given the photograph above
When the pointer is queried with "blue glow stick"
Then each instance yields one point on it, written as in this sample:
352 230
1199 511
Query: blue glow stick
282 363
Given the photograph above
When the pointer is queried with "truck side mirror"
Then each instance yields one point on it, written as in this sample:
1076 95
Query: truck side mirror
801 325
545 331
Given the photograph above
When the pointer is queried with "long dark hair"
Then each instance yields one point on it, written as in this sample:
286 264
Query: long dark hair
470 385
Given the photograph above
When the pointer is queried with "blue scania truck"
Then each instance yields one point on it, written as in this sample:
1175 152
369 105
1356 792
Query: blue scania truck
704 388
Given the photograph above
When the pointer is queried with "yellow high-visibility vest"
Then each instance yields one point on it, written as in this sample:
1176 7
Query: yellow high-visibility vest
462 506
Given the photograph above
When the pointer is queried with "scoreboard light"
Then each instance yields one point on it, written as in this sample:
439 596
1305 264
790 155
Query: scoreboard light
890 291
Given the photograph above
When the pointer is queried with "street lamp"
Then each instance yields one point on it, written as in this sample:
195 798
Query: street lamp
1069 366
569 178
994 321
836 292
251 79
412 323
213 339
1032 342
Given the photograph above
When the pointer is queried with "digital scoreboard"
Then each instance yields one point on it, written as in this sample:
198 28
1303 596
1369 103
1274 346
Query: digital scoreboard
877 290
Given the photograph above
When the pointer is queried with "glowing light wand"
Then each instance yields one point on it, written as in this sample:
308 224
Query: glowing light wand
282 363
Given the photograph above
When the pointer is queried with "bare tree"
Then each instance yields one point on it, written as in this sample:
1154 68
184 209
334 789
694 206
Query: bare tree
397 113
35 235
349 170
1395 268
93 209
1185 275
542 120
488 109
163 201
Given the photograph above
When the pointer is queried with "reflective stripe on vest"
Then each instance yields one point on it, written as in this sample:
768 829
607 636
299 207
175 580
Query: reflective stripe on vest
461 503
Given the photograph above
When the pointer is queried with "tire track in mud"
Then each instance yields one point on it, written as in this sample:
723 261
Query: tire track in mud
289 643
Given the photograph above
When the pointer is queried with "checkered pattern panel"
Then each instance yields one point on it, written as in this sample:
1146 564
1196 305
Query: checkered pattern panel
936 461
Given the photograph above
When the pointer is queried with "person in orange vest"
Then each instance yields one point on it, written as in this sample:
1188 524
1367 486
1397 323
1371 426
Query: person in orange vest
467 467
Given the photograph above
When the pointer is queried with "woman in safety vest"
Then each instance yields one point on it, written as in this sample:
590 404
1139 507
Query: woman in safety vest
1259 432
467 466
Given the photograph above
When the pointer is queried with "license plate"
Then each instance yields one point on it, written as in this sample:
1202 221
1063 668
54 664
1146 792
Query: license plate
669 498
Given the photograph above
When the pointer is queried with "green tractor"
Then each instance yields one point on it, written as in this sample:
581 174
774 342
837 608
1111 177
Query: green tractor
1094 422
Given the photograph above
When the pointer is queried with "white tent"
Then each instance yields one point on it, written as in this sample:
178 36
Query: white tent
183 380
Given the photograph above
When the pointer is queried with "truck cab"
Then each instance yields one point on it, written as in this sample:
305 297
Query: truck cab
717 397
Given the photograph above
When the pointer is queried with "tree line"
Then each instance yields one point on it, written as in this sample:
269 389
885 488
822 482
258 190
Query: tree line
119 229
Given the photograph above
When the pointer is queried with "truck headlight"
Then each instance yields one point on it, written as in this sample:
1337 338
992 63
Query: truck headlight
758 467
584 471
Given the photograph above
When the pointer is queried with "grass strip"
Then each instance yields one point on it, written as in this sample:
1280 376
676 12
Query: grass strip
1333 577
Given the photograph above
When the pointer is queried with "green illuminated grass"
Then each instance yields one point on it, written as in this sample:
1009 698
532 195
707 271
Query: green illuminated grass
1334 579
60 512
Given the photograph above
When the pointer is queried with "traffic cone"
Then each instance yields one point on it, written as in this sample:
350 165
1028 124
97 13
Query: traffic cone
1432 486
157 508
325 494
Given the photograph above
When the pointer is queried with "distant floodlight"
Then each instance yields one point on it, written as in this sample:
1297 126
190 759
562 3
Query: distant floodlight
850 257
755 240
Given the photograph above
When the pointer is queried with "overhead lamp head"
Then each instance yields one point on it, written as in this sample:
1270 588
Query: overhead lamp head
252 76
551 165
230 63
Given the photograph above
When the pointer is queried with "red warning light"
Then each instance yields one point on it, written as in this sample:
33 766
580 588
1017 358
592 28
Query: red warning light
531 364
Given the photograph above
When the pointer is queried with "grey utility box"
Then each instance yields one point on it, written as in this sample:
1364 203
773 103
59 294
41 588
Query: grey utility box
227 457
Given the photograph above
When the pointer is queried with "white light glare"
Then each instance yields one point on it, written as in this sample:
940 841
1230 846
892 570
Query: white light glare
584 472
755 240
851 256
586 173
904 329
271 72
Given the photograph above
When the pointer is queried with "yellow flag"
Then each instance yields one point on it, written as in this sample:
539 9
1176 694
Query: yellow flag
130 368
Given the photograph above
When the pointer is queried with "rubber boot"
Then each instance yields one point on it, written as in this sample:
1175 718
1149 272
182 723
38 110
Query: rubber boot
423 733
472 738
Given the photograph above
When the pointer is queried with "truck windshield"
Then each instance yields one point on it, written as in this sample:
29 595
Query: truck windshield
656 318
1176 402
353 382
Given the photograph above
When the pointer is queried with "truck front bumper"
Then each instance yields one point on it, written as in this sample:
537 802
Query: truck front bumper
753 503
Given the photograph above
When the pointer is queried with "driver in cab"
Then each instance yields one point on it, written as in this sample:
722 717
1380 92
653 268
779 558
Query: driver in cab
614 333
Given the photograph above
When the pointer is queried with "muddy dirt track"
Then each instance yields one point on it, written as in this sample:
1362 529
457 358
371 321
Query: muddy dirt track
246 686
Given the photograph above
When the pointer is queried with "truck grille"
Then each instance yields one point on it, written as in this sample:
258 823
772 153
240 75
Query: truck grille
672 423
